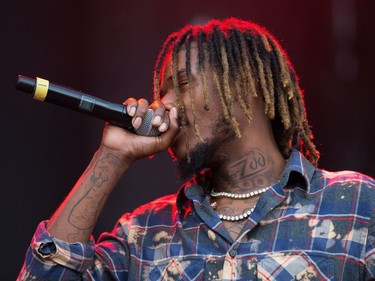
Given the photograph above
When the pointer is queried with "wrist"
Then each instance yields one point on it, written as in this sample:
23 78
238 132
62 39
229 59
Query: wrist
119 159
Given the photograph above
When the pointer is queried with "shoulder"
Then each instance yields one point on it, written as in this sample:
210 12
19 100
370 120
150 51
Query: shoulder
347 178
348 194
344 183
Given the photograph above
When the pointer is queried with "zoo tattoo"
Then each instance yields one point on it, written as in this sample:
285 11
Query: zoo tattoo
253 170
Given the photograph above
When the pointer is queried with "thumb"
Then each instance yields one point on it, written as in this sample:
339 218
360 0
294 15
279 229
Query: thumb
173 117
163 141
173 128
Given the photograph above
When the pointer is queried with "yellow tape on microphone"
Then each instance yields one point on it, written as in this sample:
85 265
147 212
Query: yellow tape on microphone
41 89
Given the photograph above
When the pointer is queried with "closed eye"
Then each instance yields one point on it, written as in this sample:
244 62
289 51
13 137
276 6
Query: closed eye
183 83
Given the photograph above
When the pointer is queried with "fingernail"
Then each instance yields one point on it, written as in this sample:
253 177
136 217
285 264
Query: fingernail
174 112
157 120
132 111
137 122
163 127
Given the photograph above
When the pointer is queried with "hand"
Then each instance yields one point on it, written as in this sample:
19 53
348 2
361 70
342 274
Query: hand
129 146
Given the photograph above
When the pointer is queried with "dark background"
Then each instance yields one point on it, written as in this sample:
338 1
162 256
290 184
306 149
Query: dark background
108 49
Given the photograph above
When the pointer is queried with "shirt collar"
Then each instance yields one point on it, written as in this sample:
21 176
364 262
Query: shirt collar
297 170
190 191
297 167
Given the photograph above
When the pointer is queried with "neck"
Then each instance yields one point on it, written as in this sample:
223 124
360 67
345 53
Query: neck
254 169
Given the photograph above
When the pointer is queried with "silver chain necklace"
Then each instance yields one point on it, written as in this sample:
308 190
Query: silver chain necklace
237 196
237 217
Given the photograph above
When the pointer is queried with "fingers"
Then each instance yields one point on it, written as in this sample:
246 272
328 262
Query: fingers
161 116
173 117
138 109
164 140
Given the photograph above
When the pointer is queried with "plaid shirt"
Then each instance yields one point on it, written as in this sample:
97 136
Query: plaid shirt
312 225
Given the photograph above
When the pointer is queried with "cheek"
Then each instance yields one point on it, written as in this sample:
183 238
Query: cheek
197 102
204 119
206 122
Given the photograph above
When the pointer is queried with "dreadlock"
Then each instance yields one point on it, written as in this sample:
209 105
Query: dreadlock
245 60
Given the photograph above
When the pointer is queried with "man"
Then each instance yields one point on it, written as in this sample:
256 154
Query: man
228 105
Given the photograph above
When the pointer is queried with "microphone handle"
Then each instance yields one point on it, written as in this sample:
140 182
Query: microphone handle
116 114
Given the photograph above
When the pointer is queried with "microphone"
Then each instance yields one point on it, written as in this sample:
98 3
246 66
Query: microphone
116 114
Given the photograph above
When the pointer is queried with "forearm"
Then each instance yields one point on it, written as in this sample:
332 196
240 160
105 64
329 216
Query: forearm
75 219
59 248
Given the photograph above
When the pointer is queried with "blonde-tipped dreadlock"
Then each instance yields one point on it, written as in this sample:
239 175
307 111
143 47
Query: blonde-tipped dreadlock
245 60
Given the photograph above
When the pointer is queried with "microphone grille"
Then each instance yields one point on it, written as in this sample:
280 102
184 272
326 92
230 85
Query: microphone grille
146 129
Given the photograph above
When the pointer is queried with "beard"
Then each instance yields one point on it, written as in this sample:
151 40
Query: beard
204 154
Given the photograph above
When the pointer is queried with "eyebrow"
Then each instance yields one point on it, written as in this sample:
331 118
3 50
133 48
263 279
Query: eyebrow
179 73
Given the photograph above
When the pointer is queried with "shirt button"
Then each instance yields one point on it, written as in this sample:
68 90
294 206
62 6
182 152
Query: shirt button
233 253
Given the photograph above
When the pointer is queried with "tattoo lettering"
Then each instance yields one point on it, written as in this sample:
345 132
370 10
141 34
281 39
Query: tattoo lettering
92 201
84 214
254 170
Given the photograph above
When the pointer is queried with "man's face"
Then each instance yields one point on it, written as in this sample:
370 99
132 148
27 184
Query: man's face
212 127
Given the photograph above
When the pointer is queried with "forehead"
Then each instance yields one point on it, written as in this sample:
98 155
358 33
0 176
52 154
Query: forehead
166 69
